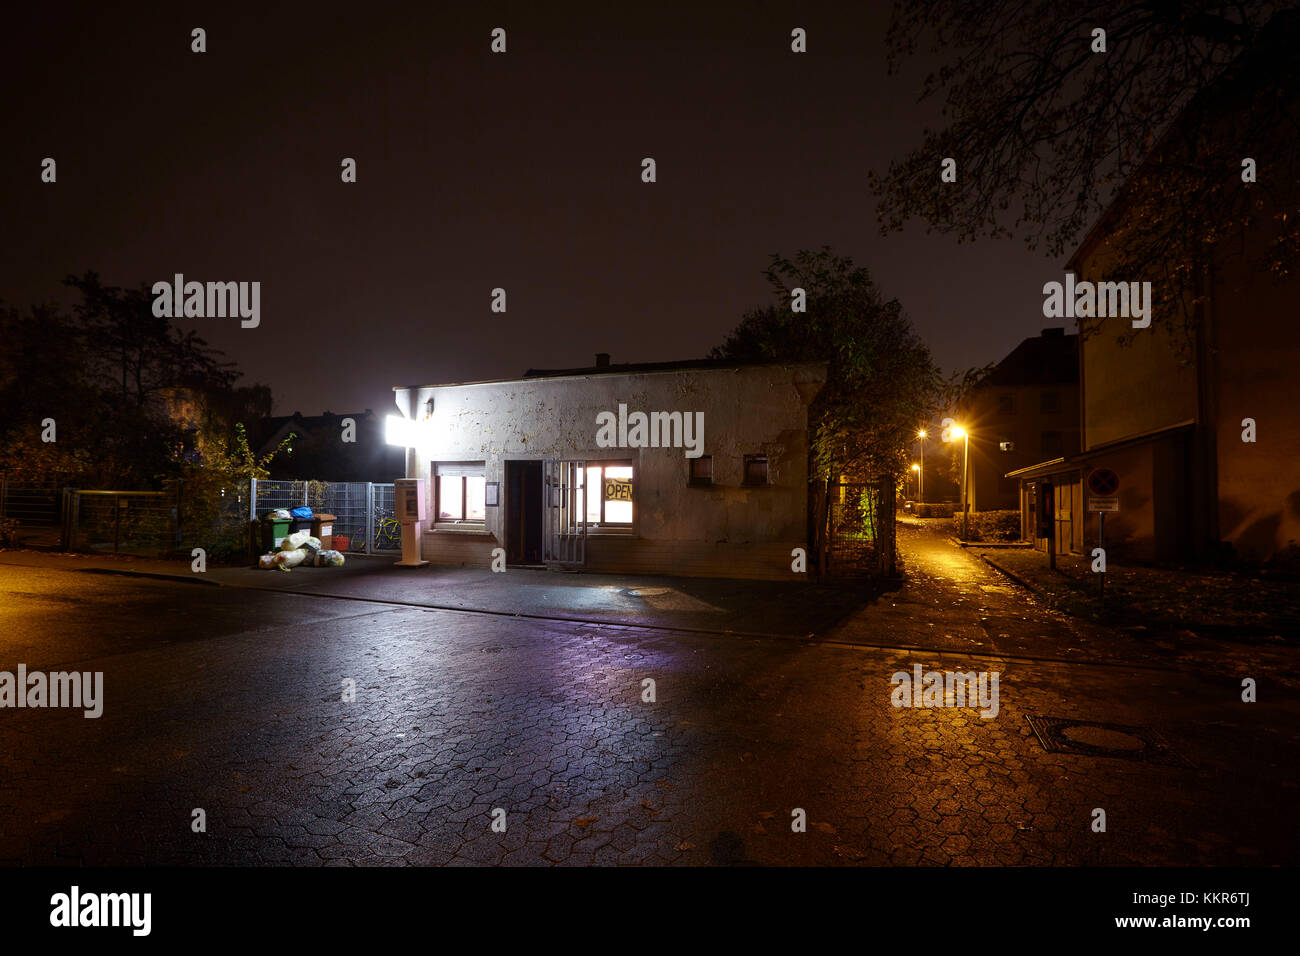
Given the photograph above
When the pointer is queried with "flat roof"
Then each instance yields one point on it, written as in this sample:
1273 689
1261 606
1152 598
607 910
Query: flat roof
1055 465
641 368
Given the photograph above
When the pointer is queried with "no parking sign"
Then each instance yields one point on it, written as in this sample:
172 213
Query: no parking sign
1103 489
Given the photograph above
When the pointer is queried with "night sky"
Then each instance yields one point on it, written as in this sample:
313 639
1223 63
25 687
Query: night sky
475 170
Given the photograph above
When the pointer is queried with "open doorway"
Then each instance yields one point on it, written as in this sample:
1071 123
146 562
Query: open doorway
523 512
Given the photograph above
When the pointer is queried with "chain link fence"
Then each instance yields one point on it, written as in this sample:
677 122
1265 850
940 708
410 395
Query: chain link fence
31 512
224 521
363 510
143 523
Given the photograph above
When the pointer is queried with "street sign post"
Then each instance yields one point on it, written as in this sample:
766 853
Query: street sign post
1102 482
1103 496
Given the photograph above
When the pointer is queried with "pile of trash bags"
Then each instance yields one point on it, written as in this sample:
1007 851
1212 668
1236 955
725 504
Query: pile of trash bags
300 548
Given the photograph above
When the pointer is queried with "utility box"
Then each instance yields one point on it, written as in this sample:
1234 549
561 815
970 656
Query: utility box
409 500
322 526
410 509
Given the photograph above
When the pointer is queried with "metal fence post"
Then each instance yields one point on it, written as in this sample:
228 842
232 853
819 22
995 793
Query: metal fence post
370 515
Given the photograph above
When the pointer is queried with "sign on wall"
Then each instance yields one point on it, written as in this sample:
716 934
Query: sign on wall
618 489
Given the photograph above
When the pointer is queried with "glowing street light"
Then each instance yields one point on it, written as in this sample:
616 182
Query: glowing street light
920 470
959 432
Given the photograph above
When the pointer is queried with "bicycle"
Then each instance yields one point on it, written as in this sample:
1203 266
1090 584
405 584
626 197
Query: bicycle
388 533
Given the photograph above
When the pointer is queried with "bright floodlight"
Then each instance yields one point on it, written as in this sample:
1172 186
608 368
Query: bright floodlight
958 432
399 431
921 433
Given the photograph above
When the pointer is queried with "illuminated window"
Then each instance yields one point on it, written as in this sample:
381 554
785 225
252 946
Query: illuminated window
611 501
461 491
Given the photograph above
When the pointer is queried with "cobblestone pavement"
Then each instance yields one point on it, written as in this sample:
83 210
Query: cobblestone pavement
230 701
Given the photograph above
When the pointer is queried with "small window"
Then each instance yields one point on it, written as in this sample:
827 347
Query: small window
755 469
1006 404
460 492
1049 403
1052 444
612 501
701 470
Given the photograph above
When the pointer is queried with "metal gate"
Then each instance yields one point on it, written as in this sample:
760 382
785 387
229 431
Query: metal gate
860 528
564 525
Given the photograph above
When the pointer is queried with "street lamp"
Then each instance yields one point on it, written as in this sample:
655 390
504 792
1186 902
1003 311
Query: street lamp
959 432
920 492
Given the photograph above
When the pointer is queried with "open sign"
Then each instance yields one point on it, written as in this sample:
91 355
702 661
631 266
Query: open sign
618 489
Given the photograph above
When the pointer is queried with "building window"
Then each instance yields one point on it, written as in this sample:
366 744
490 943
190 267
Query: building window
1052 444
701 470
460 492
1006 404
1049 403
755 470
611 503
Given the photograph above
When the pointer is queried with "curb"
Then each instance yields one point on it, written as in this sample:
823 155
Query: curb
996 545
156 575
1013 577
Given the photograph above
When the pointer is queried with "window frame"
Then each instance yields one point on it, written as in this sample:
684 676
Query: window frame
767 471
601 525
695 481
464 470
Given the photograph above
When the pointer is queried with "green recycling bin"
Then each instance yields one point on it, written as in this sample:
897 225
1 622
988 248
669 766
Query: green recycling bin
274 530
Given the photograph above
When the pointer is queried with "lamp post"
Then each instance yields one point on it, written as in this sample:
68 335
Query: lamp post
959 432
917 469
920 472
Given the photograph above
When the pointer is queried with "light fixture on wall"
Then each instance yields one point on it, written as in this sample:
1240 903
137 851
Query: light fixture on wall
399 431
428 409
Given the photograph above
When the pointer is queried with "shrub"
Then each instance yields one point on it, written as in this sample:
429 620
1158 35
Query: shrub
989 526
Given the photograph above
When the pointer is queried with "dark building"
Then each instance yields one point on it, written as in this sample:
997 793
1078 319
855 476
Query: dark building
1197 424
1025 411
322 450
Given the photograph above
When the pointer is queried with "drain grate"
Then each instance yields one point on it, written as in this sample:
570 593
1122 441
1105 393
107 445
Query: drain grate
1098 739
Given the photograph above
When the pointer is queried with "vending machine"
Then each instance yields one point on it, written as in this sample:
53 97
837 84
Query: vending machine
411 513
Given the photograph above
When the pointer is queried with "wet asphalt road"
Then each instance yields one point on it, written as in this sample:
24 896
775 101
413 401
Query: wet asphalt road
229 701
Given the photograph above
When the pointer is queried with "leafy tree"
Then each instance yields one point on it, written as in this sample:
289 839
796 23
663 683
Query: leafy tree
214 486
1045 131
112 376
881 381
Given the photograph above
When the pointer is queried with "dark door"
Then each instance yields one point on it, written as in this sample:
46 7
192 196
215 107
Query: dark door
523 512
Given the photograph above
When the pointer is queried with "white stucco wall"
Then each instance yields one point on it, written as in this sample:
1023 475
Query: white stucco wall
724 530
